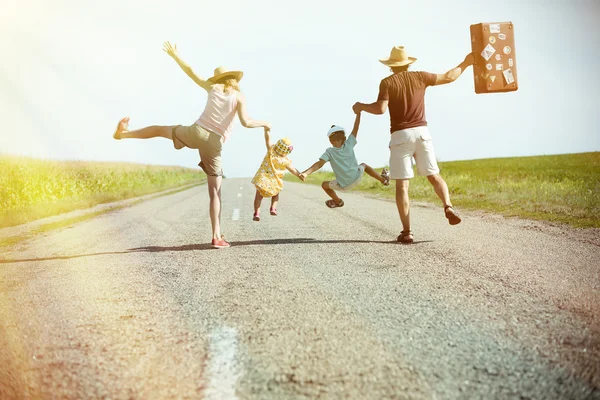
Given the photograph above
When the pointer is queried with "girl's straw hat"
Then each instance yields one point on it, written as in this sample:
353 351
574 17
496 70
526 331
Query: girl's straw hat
283 147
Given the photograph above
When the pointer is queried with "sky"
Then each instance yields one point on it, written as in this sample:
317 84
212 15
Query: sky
70 69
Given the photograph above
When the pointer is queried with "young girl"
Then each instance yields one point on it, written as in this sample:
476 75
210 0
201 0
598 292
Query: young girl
269 177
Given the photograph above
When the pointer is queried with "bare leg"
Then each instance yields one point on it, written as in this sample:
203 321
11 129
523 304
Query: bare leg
214 192
369 170
274 200
403 203
441 189
148 132
257 201
331 192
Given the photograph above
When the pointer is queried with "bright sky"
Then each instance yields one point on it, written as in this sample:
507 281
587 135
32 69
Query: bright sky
70 69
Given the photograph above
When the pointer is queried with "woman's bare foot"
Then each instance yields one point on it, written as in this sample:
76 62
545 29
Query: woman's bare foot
122 126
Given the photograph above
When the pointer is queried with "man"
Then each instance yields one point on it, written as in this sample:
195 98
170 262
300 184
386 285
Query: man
403 93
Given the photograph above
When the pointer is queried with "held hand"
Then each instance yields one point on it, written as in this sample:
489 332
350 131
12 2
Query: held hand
357 108
302 176
170 49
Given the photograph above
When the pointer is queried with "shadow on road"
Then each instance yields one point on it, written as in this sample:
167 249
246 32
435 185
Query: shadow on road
207 246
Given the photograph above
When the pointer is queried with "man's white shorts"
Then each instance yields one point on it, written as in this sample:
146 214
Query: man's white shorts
336 186
409 143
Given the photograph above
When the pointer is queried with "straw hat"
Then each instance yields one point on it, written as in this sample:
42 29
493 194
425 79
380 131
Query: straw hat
397 58
220 72
283 147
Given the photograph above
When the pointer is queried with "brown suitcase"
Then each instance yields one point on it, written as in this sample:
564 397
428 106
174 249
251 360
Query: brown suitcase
495 67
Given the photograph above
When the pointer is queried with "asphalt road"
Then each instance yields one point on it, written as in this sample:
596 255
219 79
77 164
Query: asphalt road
312 303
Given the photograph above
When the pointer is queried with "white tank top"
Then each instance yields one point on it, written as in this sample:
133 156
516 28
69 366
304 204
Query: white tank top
219 112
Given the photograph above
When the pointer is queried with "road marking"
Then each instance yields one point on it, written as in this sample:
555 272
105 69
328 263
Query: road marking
222 368
236 214
239 195
241 188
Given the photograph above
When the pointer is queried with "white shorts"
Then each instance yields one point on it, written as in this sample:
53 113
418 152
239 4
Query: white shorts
409 143
336 186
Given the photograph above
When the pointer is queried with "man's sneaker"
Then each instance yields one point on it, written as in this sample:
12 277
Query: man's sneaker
385 174
256 217
220 243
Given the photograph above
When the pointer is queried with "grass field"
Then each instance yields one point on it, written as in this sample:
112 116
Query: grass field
31 189
559 188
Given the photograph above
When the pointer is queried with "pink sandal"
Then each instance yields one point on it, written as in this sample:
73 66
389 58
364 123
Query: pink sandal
273 211
256 217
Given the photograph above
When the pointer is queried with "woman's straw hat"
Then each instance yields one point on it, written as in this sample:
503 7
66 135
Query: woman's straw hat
221 72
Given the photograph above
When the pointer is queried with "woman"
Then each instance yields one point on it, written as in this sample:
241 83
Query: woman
208 133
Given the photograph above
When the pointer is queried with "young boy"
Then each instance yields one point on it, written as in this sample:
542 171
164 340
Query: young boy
348 173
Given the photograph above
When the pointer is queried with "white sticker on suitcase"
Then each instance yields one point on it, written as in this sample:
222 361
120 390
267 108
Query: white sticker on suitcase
498 57
489 66
488 52
508 76
493 78
494 28
499 67
502 36
510 62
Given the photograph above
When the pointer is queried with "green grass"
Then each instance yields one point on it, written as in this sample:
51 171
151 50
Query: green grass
558 188
31 189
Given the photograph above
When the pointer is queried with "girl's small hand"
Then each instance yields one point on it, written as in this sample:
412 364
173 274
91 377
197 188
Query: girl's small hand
302 177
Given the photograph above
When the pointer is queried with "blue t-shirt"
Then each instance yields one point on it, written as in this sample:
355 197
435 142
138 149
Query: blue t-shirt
343 162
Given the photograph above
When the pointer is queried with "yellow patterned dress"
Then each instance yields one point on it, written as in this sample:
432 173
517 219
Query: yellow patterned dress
269 177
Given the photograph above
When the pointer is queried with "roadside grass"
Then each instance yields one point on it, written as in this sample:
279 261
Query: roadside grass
557 188
31 189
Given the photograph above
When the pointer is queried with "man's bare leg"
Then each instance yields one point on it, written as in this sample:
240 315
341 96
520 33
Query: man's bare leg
403 203
441 189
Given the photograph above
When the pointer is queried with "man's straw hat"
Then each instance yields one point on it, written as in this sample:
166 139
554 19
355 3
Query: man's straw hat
398 58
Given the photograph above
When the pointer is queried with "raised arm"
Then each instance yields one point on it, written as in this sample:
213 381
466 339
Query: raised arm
171 50
245 119
268 138
454 73
356 125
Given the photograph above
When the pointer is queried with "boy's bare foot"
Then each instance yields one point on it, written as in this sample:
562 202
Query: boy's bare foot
122 126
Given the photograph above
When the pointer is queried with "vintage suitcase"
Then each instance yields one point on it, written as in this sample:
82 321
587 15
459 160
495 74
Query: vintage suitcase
495 67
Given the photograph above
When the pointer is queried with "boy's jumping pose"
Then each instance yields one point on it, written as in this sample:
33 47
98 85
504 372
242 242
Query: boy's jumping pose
348 173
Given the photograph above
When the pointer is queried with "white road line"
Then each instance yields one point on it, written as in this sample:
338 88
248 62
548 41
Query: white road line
239 195
236 214
241 188
222 368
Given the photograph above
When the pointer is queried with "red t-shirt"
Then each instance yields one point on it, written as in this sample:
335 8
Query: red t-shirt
405 93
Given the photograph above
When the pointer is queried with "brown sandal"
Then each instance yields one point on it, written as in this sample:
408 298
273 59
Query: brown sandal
452 215
406 237
332 204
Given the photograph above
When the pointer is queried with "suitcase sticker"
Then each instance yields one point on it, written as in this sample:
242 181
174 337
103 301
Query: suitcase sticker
495 67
